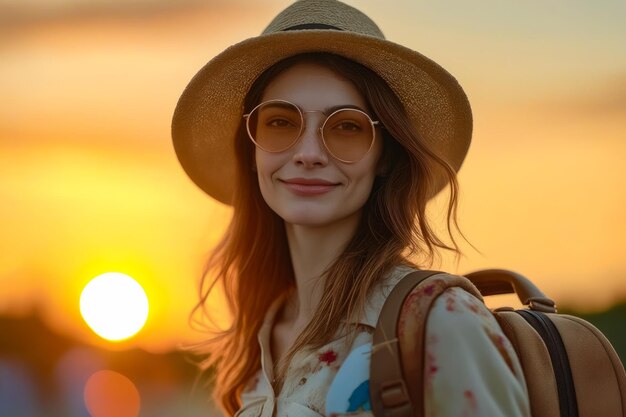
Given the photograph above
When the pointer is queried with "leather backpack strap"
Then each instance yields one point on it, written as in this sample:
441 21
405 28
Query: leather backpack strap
396 360
389 395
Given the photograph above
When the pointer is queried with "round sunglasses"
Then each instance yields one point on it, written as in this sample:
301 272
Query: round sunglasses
348 133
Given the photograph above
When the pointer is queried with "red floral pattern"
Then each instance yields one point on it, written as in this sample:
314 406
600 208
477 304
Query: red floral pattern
328 357
468 359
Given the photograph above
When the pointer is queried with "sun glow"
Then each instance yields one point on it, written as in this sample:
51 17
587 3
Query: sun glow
114 305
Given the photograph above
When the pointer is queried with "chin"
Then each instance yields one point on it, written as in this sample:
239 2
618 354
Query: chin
315 212
310 219
318 218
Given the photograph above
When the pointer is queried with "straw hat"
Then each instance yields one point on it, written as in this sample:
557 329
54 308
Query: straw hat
211 108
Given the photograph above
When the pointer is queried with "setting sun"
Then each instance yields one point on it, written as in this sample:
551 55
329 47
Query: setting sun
114 305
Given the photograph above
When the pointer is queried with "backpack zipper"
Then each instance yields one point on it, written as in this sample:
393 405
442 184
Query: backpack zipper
558 356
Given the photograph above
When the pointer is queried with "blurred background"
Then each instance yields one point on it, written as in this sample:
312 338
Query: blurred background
90 184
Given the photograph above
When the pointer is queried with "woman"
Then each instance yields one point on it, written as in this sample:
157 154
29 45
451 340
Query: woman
328 141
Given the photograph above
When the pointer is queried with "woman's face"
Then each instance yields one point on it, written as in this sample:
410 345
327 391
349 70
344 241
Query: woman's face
304 184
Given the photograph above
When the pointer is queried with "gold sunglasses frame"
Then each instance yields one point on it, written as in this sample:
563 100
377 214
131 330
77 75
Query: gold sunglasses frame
373 124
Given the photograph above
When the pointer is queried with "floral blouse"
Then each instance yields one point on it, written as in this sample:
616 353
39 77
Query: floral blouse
471 367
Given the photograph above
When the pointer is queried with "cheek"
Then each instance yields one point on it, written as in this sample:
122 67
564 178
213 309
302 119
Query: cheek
362 184
364 176
366 170
260 163
265 166
365 188
260 167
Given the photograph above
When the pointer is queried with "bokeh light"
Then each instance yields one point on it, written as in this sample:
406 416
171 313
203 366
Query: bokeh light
114 305
111 394
71 372
17 391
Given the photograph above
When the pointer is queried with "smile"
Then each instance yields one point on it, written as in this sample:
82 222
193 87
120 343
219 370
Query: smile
309 186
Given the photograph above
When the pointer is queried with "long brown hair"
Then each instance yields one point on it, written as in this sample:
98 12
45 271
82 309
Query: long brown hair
252 264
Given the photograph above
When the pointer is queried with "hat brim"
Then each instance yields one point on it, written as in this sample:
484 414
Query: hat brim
210 109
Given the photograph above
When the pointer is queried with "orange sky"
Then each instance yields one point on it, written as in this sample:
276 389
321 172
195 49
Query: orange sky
89 182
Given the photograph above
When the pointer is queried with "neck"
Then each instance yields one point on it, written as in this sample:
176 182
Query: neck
313 250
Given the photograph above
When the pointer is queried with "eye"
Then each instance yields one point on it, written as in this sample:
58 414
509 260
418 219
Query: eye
279 122
347 126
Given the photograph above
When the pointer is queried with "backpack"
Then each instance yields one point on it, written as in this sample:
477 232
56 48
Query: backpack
571 369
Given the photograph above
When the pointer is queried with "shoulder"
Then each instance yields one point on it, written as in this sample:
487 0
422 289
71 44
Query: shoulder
463 319
379 293
469 358
457 305
457 318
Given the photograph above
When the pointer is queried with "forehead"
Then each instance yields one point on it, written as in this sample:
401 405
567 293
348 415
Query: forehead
312 86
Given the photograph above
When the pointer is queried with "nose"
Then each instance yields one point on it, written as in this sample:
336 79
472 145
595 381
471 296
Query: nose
309 151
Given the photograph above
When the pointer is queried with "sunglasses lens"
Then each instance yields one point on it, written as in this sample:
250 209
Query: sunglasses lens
275 126
348 134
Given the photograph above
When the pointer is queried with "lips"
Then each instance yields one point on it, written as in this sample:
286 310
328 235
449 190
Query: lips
309 186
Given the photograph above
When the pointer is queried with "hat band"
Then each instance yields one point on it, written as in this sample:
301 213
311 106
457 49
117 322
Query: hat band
311 26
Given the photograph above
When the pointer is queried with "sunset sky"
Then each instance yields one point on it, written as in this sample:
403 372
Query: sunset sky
89 182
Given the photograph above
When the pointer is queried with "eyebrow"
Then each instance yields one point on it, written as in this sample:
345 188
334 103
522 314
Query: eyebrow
326 111
283 105
329 110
